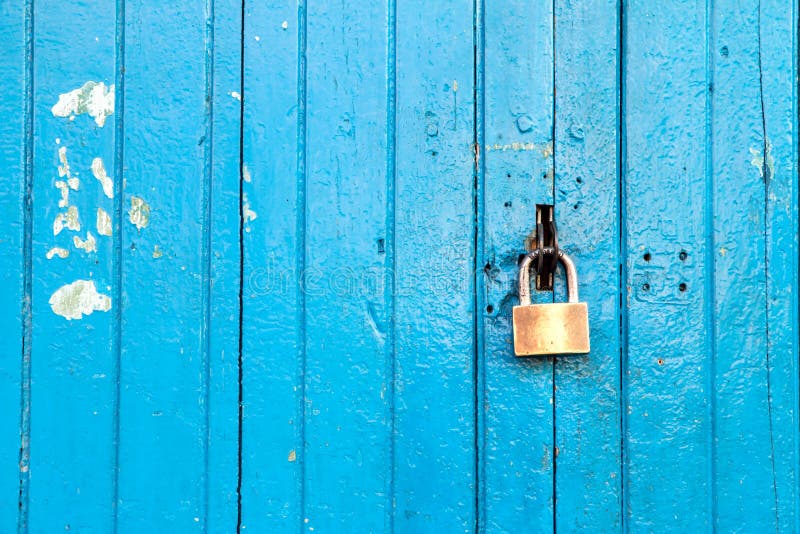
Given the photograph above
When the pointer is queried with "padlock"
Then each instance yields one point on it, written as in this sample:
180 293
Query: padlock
557 328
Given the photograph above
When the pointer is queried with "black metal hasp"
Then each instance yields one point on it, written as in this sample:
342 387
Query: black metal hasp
546 238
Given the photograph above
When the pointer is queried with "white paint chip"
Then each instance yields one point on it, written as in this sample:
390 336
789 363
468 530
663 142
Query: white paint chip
758 160
285 24
88 245
63 169
236 95
103 222
73 301
139 214
94 98
67 220
57 251
249 214
99 171
64 188
246 176
258 38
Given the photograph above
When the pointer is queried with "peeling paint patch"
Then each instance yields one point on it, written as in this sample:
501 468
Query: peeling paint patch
64 188
545 148
139 214
63 169
285 24
246 174
67 220
157 252
235 95
292 456
99 171
57 251
758 160
103 222
73 301
247 213
94 98
88 245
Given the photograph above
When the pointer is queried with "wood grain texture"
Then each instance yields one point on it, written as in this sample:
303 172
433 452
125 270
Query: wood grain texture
175 325
753 408
588 470
15 168
434 254
273 319
516 398
669 355
73 367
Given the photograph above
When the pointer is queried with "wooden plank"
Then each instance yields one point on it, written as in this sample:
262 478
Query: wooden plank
223 244
755 378
667 365
588 472
778 35
345 406
516 397
73 369
274 262
15 152
167 262
430 236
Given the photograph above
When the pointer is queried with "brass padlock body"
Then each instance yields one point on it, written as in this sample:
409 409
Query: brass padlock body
558 328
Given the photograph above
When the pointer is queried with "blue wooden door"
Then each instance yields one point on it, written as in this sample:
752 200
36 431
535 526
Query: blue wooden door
259 261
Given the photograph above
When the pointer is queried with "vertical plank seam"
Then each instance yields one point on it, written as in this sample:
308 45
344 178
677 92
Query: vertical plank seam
622 251
391 264
205 342
240 355
710 264
27 280
477 282
119 151
794 305
765 173
553 359
300 253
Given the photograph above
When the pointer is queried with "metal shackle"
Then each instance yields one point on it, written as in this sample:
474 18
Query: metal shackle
525 276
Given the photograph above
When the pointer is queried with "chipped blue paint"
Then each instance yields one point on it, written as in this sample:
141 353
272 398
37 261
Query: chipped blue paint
258 266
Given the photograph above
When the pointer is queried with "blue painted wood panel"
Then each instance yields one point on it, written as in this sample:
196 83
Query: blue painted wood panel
259 261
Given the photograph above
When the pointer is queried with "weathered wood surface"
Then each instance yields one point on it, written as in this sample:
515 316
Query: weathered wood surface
259 262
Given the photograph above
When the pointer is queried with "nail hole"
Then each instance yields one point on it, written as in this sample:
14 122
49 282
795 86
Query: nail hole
579 180
682 287
646 287
683 255
576 206
434 153
381 246
489 309
507 204
508 175
647 256
660 361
